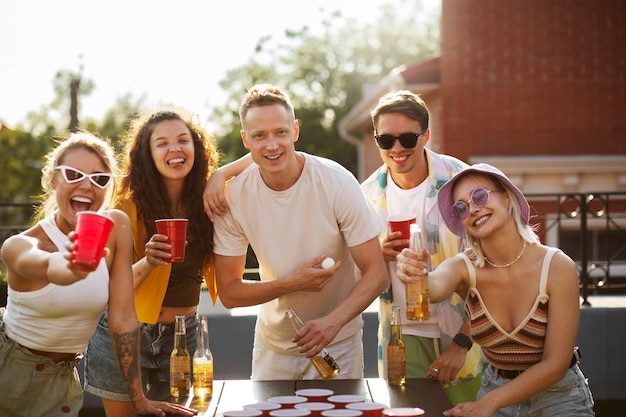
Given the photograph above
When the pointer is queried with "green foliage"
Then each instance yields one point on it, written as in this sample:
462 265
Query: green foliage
325 73
21 169
117 120
24 148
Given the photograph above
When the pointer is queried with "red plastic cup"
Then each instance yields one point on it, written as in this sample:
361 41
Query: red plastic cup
341 401
403 412
176 232
315 394
342 412
264 406
315 408
242 413
369 409
92 232
290 412
287 401
401 223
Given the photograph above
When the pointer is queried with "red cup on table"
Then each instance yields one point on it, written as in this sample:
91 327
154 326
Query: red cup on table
287 401
342 412
290 412
315 394
315 407
369 409
92 233
242 413
264 406
401 223
403 412
340 401
176 232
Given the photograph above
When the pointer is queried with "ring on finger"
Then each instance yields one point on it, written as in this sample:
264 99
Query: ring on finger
436 370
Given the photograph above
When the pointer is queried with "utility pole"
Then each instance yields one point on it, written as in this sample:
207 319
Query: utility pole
74 90
74 87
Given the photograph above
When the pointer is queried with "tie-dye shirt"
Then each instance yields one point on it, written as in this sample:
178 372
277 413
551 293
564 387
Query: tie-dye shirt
441 244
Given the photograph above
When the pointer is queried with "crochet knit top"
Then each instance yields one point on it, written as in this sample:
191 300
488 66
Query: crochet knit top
520 348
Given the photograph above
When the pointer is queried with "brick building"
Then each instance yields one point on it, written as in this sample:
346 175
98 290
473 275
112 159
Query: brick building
535 87
538 89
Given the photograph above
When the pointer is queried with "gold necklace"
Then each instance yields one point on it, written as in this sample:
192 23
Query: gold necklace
510 263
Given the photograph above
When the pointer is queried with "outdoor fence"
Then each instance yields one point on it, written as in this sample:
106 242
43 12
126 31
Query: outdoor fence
589 227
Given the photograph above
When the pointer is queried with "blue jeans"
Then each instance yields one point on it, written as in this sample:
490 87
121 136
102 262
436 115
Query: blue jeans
102 373
569 397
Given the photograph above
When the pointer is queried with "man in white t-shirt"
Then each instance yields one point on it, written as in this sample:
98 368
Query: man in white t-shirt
295 210
408 182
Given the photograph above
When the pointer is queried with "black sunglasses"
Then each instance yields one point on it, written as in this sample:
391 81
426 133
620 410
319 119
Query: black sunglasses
408 140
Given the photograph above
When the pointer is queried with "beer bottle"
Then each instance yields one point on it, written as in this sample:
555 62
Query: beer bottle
180 364
323 361
417 293
203 362
396 351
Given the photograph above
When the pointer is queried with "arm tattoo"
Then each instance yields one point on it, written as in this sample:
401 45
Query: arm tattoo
127 349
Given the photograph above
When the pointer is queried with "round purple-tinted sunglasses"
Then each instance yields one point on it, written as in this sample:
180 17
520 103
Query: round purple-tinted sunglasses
479 197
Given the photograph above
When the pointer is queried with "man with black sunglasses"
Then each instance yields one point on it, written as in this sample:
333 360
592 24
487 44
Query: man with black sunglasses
408 182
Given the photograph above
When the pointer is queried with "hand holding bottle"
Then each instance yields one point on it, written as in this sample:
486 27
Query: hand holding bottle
417 292
323 361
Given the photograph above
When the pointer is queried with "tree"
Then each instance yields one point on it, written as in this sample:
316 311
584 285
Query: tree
324 74
62 114
117 119
20 172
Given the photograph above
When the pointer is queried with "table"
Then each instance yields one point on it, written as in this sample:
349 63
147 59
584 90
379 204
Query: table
233 394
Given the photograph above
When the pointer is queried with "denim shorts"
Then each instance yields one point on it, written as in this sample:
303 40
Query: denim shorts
102 373
33 385
569 397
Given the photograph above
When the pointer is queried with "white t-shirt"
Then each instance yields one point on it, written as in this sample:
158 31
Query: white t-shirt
324 212
409 201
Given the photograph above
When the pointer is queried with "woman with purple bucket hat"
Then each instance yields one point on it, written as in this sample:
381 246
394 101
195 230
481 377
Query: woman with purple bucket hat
512 285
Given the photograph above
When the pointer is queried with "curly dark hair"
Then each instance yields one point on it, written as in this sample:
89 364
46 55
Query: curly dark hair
144 184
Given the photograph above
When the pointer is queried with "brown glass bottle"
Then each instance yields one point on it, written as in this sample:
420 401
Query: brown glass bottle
417 293
180 365
396 351
323 361
203 363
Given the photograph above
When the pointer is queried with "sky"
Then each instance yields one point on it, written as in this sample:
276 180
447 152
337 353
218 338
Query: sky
173 52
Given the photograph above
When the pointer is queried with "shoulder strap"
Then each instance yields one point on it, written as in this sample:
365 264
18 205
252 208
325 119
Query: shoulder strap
470 269
543 283
55 234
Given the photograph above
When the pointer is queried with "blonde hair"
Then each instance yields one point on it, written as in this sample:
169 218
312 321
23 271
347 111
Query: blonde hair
264 95
78 140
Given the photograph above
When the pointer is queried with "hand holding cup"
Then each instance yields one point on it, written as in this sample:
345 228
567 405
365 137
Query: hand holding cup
401 223
176 232
91 235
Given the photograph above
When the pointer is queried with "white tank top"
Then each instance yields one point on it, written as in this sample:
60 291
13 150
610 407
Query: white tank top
58 318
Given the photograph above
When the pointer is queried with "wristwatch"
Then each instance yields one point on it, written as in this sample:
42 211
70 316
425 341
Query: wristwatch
463 340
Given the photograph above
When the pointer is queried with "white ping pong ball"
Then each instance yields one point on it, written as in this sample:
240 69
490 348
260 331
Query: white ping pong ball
328 263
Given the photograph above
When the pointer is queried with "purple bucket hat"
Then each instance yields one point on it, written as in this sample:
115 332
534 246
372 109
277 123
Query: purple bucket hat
445 200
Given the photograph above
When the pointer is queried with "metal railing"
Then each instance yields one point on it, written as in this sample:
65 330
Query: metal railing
591 229
588 227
